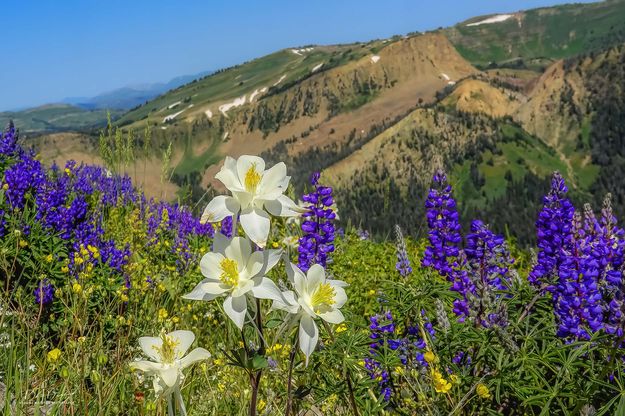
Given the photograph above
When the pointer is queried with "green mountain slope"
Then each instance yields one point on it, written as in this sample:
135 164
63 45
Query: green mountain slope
539 36
56 118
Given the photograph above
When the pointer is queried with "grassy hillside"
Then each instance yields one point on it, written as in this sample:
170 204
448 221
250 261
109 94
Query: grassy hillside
273 72
56 117
537 37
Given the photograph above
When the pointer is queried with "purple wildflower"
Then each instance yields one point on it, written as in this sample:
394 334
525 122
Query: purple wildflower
317 225
403 264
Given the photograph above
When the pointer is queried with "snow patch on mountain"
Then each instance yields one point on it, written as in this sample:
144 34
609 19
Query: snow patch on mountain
493 19
236 103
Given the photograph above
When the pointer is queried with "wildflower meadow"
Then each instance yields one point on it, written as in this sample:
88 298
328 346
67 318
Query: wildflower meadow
264 302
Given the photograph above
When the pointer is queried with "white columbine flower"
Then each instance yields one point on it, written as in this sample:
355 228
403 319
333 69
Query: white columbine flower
232 269
256 193
167 352
314 297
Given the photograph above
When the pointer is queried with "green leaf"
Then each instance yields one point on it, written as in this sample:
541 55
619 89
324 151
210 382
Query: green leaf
259 362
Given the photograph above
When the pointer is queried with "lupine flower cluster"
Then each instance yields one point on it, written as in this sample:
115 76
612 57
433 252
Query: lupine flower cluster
382 327
317 225
480 272
581 263
410 348
403 263
69 202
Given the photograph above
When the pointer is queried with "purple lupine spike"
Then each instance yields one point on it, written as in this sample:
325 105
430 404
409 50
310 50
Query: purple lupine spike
444 227
317 226
403 263
554 232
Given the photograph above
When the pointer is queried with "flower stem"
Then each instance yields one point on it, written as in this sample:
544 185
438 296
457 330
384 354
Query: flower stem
256 376
289 397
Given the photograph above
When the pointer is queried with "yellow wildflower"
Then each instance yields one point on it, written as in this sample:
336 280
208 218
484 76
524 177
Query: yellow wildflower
341 328
49 258
5 186
76 287
440 384
372 292
482 391
429 357
23 243
53 355
65 269
162 314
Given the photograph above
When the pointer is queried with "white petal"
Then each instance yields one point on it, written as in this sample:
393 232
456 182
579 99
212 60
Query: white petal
205 291
290 268
239 250
244 198
316 275
145 366
220 207
169 375
236 308
220 242
283 206
334 316
261 262
308 336
287 303
244 287
245 162
228 175
256 264
265 288
210 265
299 280
256 223
340 297
273 257
196 355
273 178
149 345
184 340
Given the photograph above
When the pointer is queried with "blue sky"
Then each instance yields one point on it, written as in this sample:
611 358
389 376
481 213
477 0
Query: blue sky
56 49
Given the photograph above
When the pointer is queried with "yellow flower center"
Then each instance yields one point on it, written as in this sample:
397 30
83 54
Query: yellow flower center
252 179
229 272
323 298
167 350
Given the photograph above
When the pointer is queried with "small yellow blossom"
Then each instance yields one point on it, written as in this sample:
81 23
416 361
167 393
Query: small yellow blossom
261 405
5 186
67 171
372 292
124 297
23 243
454 379
81 339
275 244
162 314
482 391
175 319
53 355
429 357
341 328
440 384
65 269
49 258
76 287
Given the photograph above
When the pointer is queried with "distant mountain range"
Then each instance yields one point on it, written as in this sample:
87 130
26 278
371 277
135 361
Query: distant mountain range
498 101
86 113
128 97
